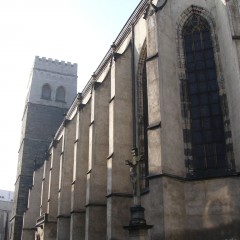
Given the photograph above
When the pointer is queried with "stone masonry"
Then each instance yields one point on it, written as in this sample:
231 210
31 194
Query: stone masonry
41 119
149 150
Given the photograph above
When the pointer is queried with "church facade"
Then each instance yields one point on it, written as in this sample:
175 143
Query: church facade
164 103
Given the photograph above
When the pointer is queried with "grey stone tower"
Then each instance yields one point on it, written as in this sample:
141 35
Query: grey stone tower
52 88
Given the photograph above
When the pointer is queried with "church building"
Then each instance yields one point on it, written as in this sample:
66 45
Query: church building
149 150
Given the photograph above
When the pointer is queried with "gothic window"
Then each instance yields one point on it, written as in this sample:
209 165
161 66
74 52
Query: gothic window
60 94
142 117
46 92
203 103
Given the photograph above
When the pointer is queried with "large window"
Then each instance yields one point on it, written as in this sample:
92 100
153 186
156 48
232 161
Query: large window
207 135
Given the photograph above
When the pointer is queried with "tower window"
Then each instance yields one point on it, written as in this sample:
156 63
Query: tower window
60 94
46 92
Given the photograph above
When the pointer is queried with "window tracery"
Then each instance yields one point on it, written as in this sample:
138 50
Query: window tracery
207 135
207 131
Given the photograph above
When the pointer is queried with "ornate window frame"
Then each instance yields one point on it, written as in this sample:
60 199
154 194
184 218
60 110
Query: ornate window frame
184 102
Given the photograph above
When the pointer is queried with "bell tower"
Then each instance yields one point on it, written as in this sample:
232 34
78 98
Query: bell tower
51 90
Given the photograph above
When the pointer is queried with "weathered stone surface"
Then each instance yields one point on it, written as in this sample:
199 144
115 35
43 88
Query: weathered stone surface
41 120
89 174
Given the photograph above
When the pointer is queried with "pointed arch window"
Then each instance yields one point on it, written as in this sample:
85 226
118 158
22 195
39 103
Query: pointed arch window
60 94
203 105
142 116
46 92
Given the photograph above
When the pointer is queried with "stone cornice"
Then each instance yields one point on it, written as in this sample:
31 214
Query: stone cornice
54 72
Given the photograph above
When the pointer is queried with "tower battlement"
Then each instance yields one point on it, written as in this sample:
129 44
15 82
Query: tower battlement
55 65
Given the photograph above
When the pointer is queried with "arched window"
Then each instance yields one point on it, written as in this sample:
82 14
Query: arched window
46 92
203 105
142 116
60 94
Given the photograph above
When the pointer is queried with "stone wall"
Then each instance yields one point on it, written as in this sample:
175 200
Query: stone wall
5 215
88 168
41 120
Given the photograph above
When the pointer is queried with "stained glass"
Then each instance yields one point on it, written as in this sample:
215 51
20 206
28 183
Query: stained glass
207 129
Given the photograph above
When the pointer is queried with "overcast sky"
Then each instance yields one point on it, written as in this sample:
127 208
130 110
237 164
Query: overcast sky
76 31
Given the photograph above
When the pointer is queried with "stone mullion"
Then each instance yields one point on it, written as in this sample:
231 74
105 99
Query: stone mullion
155 108
60 219
50 225
97 166
65 181
119 196
88 223
234 16
78 202
33 211
153 87
42 195
53 181
74 226
45 184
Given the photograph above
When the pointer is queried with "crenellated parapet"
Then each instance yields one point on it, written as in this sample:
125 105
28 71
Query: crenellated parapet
53 65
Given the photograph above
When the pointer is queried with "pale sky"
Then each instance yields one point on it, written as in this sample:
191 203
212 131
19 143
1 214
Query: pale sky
76 31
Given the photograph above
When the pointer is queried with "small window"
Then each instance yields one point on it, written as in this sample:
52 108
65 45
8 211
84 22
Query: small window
60 94
46 92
